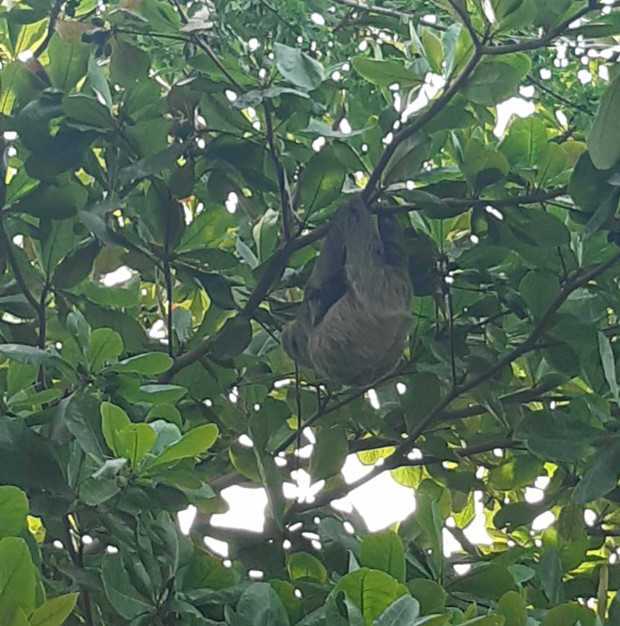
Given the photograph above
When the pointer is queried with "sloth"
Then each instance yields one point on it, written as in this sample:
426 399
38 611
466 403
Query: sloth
352 325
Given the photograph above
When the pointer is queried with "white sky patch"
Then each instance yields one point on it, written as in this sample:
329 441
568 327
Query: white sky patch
231 202
302 490
584 76
497 214
186 519
373 398
381 501
117 277
534 495
247 509
345 127
318 144
317 19
543 521
506 110
476 532
433 84
219 547
158 330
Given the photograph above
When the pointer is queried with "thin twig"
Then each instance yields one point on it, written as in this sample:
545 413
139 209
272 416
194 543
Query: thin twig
545 40
557 96
285 200
170 304
401 15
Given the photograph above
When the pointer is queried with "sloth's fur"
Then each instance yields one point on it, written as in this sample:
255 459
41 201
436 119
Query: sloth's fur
353 323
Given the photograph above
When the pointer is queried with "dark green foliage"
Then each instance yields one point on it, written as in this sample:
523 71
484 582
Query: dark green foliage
161 178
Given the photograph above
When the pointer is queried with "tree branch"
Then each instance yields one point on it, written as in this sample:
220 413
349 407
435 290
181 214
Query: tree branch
401 15
399 459
419 122
545 40
464 17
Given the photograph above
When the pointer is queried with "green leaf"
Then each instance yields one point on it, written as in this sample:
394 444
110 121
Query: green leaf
512 14
113 421
497 79
68 62
50 201
569 615
603 214
550 573
17 578
609 365
105 345
13 510
298 67
515 473
490 581
193 444
525 142
88 112
218 289
77 265
123 596
55 611
384 551
422 395
539 290
371 591
25 354
602 476
403 612
266 234
384 73
430 595
329 453
233 338
158 394
322 180
260 605
80 413
604 151
514 609
303 566
135 442
128 63
147 364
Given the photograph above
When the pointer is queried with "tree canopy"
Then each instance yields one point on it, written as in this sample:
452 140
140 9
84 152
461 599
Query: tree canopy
168 171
